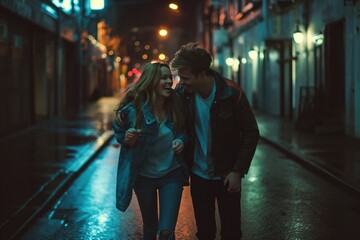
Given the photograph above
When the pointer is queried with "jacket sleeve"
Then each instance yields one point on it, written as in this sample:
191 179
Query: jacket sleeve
249 135
123 121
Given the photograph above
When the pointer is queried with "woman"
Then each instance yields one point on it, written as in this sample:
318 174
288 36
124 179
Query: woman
149 125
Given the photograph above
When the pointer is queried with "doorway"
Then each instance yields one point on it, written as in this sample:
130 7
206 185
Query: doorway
334 85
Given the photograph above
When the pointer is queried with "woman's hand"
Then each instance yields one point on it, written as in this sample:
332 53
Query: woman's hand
178 146
131 136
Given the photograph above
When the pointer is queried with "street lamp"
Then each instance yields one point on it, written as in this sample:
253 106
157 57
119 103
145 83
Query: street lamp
97 4
318 39
163 32
173 6
298 35
252 53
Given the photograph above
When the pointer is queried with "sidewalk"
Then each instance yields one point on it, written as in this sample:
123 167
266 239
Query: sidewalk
39 163
336 157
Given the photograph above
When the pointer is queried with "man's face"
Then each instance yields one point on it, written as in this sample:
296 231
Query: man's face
190 81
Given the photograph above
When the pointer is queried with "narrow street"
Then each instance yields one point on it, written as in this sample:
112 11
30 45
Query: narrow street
280 200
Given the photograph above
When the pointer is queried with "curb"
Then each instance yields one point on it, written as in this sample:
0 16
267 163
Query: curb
305 160
51 190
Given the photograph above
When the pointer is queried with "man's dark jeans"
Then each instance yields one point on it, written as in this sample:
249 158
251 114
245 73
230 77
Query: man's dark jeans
204 192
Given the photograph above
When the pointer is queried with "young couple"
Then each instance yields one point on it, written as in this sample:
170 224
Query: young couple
204 128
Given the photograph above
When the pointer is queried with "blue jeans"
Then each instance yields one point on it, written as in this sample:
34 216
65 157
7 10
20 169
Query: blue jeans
204 193
170 189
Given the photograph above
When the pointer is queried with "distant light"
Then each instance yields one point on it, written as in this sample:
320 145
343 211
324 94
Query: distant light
163 32
111 52
134 70
97 4
118 59
162 56
144 56
298 35
243 60
147 47
65 5
235 66
229 61
103 56
252 53
136 43
173 6
318 39
49 10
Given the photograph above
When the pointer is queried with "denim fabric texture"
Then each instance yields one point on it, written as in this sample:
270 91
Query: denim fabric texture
169 188
131 158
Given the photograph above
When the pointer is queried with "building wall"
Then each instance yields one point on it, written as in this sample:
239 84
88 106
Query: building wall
15 74
260 77
356 63
32 76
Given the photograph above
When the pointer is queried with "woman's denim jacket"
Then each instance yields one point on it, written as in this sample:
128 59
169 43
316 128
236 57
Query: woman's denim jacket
132 157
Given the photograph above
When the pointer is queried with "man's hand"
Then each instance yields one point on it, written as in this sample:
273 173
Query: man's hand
233 179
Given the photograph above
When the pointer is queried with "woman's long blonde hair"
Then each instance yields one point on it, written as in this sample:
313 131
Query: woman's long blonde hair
143 91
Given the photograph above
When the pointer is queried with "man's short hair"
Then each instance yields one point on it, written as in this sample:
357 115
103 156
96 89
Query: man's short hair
192 56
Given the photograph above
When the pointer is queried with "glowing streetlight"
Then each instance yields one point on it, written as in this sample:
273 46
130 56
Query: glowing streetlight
162 56
252 53
173 6
163 32
97 4
298 35
229 61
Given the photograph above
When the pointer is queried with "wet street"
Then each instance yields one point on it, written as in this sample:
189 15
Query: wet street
280 200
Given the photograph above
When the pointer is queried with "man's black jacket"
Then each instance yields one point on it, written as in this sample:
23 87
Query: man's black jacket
234 129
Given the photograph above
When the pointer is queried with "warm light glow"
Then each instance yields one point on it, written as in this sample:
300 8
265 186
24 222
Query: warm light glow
298 36
103 55
229 62
239 16
173 6
318 39
144 56
111 52
235 66
147 47
118 59
163 32
252 54
162 56
97 4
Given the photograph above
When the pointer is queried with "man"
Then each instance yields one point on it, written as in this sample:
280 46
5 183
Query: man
223 135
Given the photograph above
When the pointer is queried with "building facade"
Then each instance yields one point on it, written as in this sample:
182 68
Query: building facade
295 59
43 62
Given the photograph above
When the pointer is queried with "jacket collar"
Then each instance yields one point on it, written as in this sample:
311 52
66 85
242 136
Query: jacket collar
223 91
148 115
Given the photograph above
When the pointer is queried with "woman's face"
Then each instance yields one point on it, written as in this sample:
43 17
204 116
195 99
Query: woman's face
163 87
